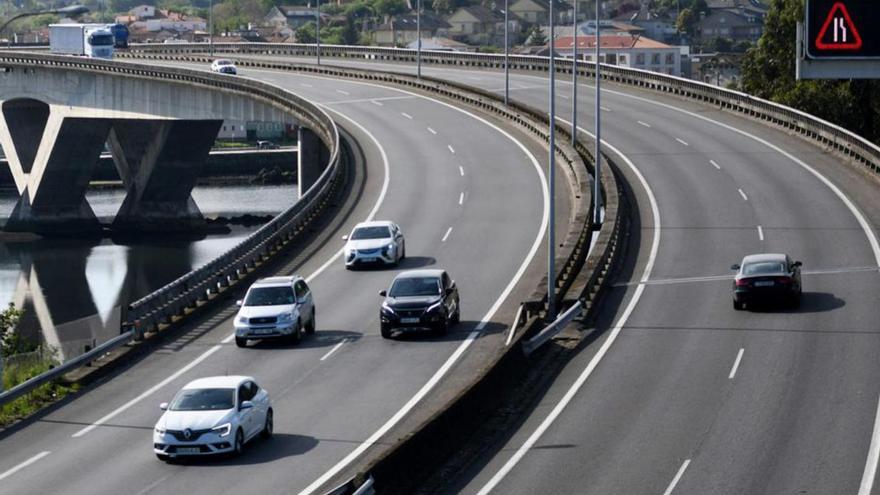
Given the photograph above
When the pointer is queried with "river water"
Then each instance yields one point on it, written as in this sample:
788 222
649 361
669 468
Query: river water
73 290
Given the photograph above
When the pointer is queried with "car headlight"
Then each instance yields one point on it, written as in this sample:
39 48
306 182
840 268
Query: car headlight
434 307
285 318
160 431
387 308
223 429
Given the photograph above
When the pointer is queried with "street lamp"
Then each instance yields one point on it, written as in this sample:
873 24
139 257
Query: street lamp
551 229
69 11
318 31
597 192
419 39
211 28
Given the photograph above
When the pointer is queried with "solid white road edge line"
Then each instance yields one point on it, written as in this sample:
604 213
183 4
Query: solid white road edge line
677 478
335 348
569 395
429 385
446 235
24 464
379 200
760 233
741 193
739 357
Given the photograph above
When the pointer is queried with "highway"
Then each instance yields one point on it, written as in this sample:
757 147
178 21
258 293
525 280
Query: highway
470 197
680 393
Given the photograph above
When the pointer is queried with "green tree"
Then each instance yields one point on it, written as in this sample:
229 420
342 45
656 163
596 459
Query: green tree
686 22
719 44
768 71
11 340
306 33
388 7
441 6
536 37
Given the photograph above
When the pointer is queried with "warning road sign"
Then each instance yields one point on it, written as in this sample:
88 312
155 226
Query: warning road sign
842 29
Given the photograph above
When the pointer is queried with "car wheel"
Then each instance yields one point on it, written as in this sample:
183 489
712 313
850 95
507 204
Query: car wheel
238 446
386 332
296 336
310 328
443 326
403 252
240 342
737 305
269 426
456 318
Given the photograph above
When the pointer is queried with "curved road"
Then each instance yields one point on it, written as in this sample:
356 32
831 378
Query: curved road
680 393
470 197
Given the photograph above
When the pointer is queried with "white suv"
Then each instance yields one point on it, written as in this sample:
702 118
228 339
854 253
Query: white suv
374 242
275 308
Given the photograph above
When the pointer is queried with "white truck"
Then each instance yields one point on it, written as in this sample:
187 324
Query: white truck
87 40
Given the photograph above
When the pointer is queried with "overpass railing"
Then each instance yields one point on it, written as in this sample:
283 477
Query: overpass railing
832 136
196 287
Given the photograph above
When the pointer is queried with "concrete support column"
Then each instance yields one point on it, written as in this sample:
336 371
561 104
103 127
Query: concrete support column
159 162
53 188
311 160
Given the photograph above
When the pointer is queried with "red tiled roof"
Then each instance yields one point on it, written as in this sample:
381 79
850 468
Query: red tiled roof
608 41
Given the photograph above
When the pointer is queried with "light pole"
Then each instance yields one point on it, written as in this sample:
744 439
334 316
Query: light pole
551 234
318 32
597 196
211 28
419 39
506 55
574 79
69 11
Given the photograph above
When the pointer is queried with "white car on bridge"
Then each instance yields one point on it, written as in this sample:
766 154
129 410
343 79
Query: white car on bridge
213 415
374 242
224 66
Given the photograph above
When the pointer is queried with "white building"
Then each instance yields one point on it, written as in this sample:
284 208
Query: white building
637 52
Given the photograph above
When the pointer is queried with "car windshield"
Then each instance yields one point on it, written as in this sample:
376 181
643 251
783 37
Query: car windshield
203 399
269 296
101 39
415 286
370 233
763 267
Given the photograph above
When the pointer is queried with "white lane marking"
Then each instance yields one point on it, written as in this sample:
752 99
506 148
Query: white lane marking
478 330
306 85
605 109
760 233
119 410
637 294
446 235
379 200
741 193
377 103
677 477
739 357
335 348
451 149
461 199
151 486
406 115
682 142
374 101
432 131
24 464
715 164
342 92
643 123
564 97
461 170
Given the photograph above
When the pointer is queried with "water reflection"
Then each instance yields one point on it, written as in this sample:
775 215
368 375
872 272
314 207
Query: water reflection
73 291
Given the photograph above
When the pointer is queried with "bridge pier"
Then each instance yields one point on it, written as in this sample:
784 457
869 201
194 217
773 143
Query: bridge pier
159 162
312 158
52 170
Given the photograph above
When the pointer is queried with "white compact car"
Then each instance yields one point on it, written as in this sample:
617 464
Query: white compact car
223 66
374 242
278 308
213 415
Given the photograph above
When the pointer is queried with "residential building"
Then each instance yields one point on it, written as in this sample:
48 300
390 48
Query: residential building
533 12
660 27
292 16
637 52
728 24
478 25
402 30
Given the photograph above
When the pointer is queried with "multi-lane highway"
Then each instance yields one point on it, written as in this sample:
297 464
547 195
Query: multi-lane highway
679 394
470 196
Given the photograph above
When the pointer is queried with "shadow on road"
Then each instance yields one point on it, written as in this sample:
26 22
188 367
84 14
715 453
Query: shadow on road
259 451
457 332
321 338
811 302
408 263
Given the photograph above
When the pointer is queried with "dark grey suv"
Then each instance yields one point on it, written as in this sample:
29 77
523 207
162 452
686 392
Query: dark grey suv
420 300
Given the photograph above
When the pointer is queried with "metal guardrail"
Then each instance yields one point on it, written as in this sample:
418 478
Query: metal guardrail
196 286
833 136
56 372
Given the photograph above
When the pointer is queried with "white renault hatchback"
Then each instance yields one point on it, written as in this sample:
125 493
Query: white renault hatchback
213 415
374 242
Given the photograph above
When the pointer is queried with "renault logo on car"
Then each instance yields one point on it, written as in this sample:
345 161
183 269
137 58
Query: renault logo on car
187 433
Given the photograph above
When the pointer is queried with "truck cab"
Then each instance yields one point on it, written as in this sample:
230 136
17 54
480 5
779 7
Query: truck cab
98 42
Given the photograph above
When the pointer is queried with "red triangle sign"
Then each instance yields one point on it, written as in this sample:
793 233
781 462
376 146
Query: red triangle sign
843 34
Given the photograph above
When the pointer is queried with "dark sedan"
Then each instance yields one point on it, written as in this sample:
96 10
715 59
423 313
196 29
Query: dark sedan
420 300
767 277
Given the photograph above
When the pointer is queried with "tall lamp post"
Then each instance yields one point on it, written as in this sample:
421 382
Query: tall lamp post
574 78
551 233
69 11
419 39
318 32
506 54
211 28
597 196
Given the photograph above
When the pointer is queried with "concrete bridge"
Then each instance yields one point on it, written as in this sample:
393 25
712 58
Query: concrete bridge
56 121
